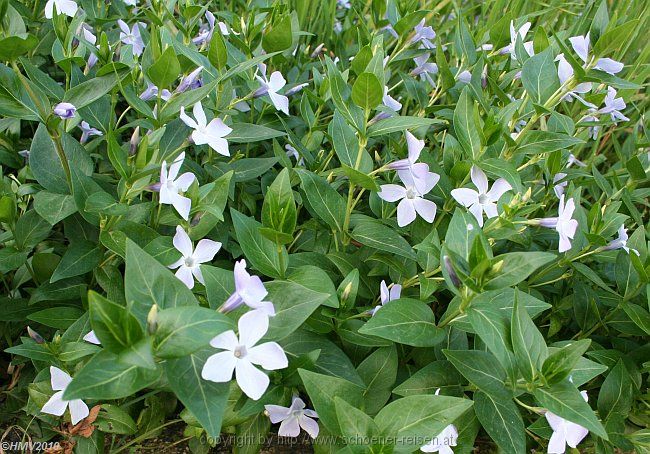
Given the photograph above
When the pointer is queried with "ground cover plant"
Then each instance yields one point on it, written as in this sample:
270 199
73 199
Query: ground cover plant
379 226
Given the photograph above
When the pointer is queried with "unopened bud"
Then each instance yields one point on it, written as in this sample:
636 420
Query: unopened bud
527 195
346 291
35 336
497 267
152 319
135 140
317 50
452 272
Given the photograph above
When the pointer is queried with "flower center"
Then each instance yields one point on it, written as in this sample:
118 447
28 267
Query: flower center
170 185
483 199
296 413
240 351
189 262
411 194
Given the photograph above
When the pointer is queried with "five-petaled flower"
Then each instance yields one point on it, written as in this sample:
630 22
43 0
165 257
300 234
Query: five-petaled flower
212 133
189 265
564 432
484 200
171 185
57 405
514 34
293 418
613 106
249 290
241 354
423 35
131 36
563 223
411 197
271 86
581 45
67 7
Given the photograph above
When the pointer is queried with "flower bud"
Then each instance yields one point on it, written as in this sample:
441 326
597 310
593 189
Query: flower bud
152 319
455 280
35 336
135 140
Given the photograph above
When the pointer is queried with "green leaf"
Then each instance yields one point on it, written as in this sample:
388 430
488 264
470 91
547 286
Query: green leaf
346 144
262 253
494 331
356 426
218 53
434 376
539 76
328 204
54 207
396 124
184 330
481 369
359 178
413 420
502 421
406 321
459 237
378 371
205 399
323 389
248 132
538 142
86 92
527 342
367 91
104 377
113 420
56 317
565 400
279 208
114 325
165 70
614 39
147 282
617 393
376 235
81 257
279 36
13 47
465 126
515 267
30 230
560 363
293 305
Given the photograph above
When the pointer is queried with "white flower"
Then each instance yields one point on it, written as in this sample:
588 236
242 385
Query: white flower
563 223
387 295
293 418
621 241
581 45
613 106
88 131
564 72
522 32
132 36
464 77
411 197
57 405
292 152
241 354
441 443
92 338
391 102
170 186
189 264
130 2
483 200
212 133
558 188
424 35
65 110
67 7
564 432
424 68
271 87
249 290
152 91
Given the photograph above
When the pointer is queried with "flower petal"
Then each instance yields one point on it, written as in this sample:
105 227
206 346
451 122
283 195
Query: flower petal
557 443
187 120
415 146
280 102
206 250
226 340
268 355
182 242
465 196
574 433
253 382
182 204
499 188
289 427
78 410
219 367
55 405
199 114
277 413
309 425
477 211
252 326
479 179
426 209
184 273
391 192
405 212
184 181
59 379
276 81
175 167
